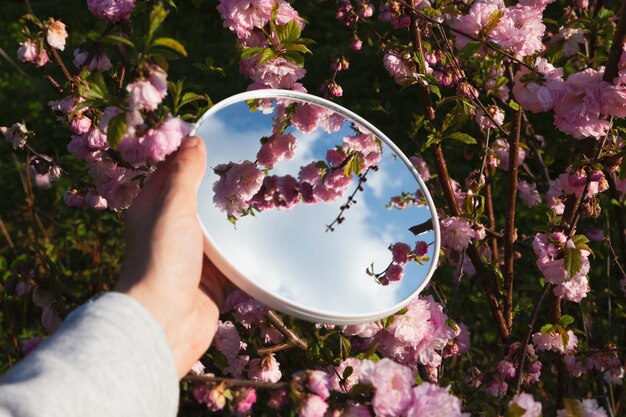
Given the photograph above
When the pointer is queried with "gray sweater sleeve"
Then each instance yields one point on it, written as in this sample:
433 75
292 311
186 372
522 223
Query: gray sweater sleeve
110 358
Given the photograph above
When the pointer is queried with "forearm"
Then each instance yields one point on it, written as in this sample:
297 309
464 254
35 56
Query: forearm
110 358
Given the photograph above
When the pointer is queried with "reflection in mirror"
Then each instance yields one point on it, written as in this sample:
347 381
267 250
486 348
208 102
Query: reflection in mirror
312 212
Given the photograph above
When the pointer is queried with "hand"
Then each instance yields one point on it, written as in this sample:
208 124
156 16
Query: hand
165 268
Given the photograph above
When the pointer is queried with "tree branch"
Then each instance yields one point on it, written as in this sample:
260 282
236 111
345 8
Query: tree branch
509 231
234 382
292 338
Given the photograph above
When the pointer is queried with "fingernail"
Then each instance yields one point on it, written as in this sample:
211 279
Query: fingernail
190 142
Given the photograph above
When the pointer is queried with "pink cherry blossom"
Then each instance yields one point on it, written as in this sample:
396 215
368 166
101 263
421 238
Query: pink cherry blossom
100 62
241 16
227 339
528 193
245 399
266 369
56 34
161 141
589 408
111 11
319 383
312 406
430 400
115 183
402 70
485 122
80 124
393 384
456 233
414 325
276 148
538 95
422 168
237 184
16 135
554 341
475 22
527 402
502 150
353 379
143 95
394 272
577 111
400 252
277 73
29 52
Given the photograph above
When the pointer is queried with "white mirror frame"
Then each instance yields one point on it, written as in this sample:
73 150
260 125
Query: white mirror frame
273 300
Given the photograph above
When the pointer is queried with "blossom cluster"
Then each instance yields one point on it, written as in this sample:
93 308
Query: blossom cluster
243 186
552 250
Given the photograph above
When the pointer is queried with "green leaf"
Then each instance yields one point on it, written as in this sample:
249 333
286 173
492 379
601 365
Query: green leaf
565 320
435 90
514 105
579 239
268 53
347 372
297 47
219 359
116 129
157 16
515 411
190 98
452 324
250 52
573 261
461 137
118 39
470 49
431 139
294 57
546 328
573 407
172 44
290 31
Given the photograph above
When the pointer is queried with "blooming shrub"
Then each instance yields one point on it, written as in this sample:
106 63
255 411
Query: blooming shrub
494 103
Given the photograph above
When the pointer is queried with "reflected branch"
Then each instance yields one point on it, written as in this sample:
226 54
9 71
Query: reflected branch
339 219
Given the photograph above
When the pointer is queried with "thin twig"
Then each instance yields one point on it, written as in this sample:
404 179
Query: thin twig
292 338
7 236
489 45
529 332
61 64
234 382
509 230
11 62
446 185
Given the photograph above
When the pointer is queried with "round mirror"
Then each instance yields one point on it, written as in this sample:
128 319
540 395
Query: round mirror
312 210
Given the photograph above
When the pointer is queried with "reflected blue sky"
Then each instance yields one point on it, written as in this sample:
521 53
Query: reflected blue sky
289 253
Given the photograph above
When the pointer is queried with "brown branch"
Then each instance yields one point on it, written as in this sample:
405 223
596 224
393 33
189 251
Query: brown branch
445 183
7 236
292 338
529 332
55 84
509 230
274 349
233 382
618 212
616 47
61 64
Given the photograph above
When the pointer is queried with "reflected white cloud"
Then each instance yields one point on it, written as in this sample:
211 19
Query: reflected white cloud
289 253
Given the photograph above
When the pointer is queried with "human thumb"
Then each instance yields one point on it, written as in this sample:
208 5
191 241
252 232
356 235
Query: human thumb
186 174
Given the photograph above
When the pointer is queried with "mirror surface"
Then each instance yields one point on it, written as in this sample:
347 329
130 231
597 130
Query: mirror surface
301 202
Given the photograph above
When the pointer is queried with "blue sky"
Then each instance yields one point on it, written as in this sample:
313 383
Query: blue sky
289 253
